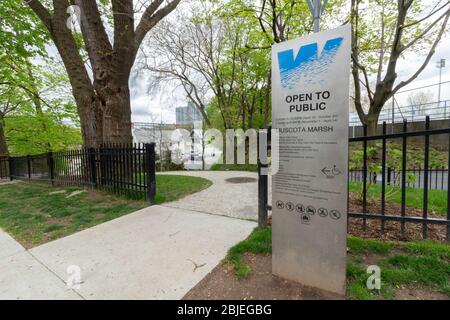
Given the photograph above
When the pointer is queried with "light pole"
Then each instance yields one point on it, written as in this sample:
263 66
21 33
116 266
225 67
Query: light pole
441 65
316 7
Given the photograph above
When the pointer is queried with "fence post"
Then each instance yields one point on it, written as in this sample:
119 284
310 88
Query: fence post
364 191
101 152
51 167
425 177
150 171
10 168
29 167
262 181
448 190
92 168
403 185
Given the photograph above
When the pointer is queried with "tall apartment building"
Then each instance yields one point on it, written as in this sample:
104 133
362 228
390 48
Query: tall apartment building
187 115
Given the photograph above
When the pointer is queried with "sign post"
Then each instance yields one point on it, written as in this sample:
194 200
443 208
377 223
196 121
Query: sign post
310 100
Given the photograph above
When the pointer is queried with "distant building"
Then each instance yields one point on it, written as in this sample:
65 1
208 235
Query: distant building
158 133
187 115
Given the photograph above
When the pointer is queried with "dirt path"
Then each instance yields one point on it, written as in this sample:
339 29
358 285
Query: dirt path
222 283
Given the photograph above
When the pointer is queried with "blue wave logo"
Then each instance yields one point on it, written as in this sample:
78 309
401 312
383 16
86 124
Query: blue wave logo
308 66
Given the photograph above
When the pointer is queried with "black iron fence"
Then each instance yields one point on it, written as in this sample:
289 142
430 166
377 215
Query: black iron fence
425 174
127 170
426 178
4 168
437 177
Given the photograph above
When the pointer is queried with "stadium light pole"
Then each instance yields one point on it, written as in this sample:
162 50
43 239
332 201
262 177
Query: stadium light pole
441 65
316 7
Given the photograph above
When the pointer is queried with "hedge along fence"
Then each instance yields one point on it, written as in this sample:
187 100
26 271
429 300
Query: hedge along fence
124 169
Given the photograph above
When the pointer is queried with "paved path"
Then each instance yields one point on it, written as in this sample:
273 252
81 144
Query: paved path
24 277
223 198
160 252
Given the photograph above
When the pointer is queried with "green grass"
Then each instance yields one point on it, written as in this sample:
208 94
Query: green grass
260 241
359 245
419 263
33 216
173 187
235 167
437 199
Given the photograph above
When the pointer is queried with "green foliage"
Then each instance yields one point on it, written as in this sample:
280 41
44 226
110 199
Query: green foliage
37 110
377 16
244 61
25 135
438 157
20 37
414 157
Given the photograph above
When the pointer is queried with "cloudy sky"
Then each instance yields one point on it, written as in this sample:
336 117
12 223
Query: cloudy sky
430 75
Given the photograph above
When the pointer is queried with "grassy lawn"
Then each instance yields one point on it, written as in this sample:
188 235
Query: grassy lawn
235 167
437 199
173 187
421 263
33 214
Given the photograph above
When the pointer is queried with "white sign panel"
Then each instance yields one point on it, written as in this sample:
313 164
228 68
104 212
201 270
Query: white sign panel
310 79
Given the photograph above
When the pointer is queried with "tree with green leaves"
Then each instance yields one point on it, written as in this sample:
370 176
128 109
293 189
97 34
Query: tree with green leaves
273 21
384 31
37 115
20 40
103 101
207 57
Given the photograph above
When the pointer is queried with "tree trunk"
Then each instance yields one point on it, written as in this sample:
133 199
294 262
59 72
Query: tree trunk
372 124
115 124
3 146
104 105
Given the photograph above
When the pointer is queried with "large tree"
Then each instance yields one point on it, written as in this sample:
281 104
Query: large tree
384 31
207 57
103 100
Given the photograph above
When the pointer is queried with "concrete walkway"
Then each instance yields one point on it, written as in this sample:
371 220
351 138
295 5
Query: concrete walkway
160 252
24 277
238 200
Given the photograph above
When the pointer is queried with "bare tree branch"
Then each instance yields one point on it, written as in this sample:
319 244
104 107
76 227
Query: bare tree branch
427 59
40 11
151 17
